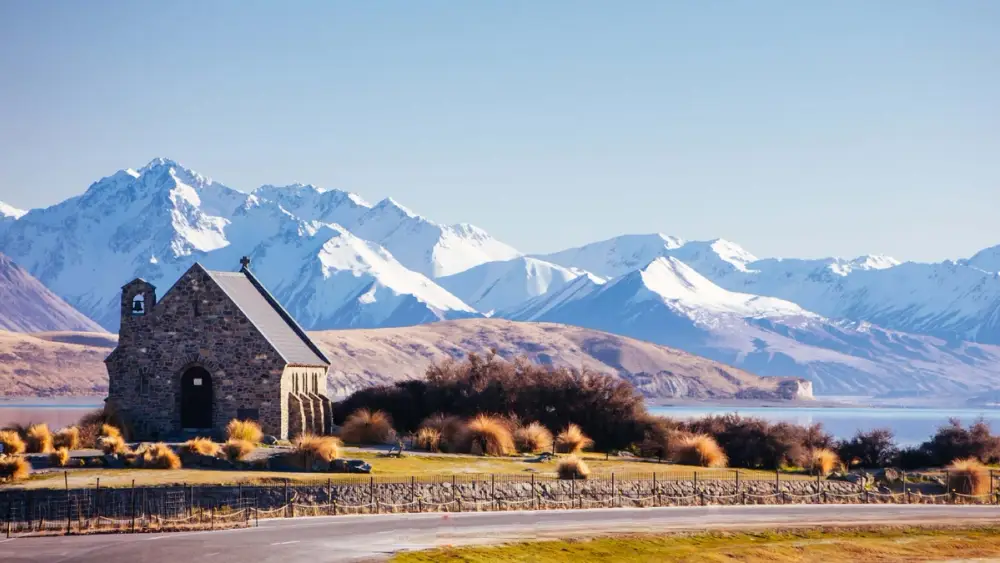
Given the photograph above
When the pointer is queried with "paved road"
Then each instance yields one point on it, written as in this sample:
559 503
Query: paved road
352 538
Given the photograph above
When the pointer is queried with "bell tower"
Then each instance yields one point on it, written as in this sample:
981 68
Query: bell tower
138 299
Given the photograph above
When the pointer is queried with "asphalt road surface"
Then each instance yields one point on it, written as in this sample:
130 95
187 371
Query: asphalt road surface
354 538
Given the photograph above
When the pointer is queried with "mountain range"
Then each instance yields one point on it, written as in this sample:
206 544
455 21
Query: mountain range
864 326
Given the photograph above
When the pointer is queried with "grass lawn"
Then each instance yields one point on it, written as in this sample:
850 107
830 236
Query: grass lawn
410 464
881 545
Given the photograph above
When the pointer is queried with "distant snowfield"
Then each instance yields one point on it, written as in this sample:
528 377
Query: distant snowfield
865 325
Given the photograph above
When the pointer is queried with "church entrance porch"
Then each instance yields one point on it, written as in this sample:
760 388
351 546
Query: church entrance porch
196 399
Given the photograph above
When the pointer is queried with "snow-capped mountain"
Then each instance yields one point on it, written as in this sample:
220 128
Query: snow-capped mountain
669 303
507 283
954 301
863 325
155 222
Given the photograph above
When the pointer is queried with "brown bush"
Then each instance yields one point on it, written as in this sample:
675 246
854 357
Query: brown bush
111 431
533 438
247 430
368 427
68 438
872 449
428 439
823 461
572 467
697 449
91 424
12 442
488 435
572 440
657 435
14 468
607 408
113 445
952 442
157 456
310 447
757 443
969 477
38 439
59 457
202 446
237 450
452 429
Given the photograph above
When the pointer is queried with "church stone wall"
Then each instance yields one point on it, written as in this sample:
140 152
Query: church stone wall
194 324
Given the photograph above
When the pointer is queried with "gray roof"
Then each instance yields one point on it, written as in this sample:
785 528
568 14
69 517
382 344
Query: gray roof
270 318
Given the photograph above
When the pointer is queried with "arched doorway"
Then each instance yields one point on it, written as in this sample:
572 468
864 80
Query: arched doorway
196 398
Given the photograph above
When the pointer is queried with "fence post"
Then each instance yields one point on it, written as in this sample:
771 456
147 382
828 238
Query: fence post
239 494
212 525
656 489
614 491
533 495
454 493
133 506
69 509
777 480
97 502
10 516
696 483
413 489
329 494
737 482
371 493
190 501
991 483
493 491
286 498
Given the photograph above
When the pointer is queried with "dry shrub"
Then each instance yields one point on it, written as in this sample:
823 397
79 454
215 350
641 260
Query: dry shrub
59 458
112 445
697 449
572 467
572 440
248 430
91 424
12 442
68 438
311 447
157 456
428 439
367 427
824 461
202 446
968 477
111 431
488 435
533 438
238 450
14 468
38 439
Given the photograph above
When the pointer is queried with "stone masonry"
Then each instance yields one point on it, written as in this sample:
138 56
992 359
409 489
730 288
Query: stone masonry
198 325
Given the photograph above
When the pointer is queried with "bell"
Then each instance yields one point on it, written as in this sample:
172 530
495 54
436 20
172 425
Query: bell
137 306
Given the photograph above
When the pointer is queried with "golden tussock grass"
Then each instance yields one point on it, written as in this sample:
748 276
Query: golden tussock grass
38 439
202 446
572 467
364 426
697 449
14 468
247 430
112 445
237 450
59 458
488 435
533 438
12 442
572 440
428 439
110 431
823 461
311 447
968 477
68 438
157 456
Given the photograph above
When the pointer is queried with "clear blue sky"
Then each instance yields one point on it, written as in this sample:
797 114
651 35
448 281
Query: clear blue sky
793 128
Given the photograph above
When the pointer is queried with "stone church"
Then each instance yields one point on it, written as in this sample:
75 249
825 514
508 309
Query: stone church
217 346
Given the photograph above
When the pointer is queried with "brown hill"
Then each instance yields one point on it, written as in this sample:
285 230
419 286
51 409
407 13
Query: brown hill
28 306
72 363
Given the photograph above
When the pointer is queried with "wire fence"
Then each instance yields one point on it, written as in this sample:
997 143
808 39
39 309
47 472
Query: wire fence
190 507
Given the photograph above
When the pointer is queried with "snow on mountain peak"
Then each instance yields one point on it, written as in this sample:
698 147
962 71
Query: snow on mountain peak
678 284
503 284
9 211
